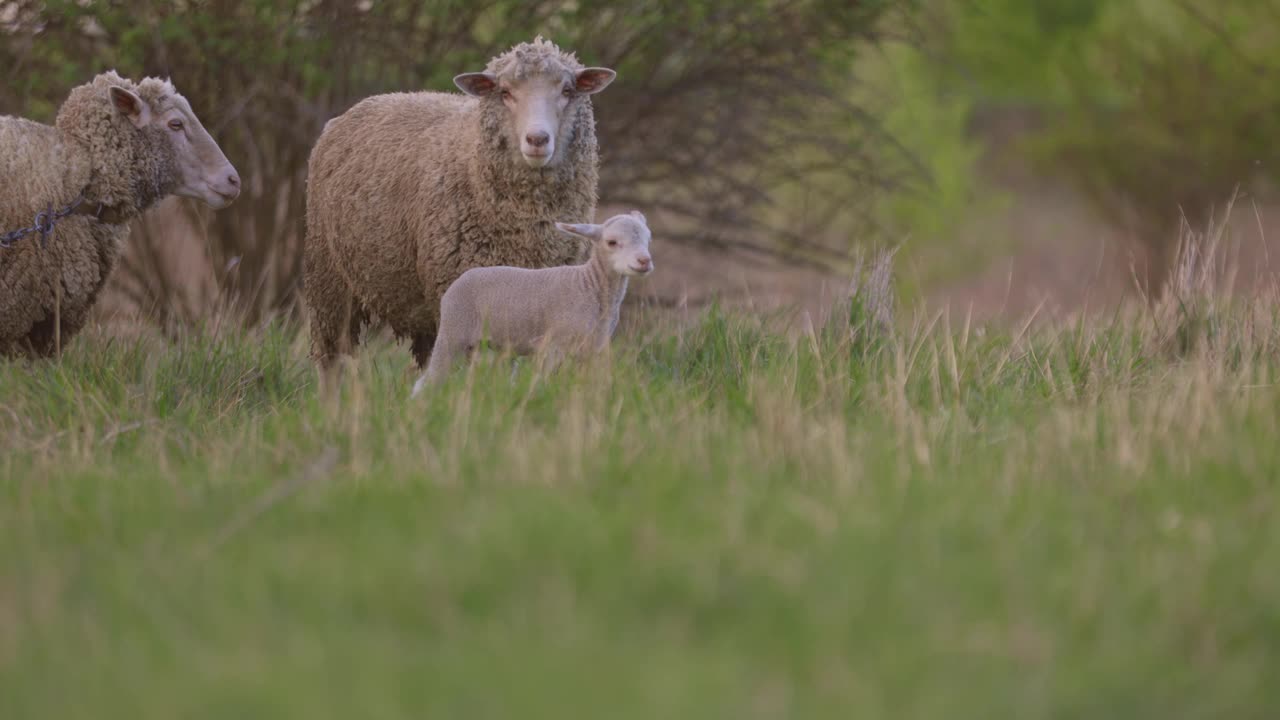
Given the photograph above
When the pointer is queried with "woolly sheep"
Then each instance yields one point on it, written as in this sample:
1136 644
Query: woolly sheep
407 191
561 309
121 147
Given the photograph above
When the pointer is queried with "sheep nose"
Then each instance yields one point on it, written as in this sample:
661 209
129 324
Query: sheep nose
643 262
537 139
233 180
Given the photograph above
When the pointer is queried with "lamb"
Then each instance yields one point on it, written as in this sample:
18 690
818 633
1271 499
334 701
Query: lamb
562 309
406 191
116 149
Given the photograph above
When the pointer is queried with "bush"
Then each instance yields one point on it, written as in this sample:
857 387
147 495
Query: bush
1156 109
718 98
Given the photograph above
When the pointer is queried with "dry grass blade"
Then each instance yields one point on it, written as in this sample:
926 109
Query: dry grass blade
317 469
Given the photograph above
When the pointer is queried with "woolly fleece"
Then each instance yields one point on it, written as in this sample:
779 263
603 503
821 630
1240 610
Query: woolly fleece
92 148
407 191
564 310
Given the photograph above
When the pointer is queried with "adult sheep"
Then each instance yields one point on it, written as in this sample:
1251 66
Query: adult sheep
116 149
407 191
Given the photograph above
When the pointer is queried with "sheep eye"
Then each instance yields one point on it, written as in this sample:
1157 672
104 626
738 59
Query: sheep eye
613 243
506 94
567 92
175 125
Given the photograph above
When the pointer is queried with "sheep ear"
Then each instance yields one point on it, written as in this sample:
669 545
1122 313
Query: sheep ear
476 84
639 216
130 105
592 80
586 230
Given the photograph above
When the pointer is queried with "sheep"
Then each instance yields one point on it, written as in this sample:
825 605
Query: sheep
116 149
406 191
560 310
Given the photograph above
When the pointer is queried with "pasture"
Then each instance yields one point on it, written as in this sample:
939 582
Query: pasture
1063 519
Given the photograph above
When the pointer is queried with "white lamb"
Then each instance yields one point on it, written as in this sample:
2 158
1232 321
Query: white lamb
568 309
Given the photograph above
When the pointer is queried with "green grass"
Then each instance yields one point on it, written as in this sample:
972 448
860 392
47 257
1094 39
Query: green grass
1075 521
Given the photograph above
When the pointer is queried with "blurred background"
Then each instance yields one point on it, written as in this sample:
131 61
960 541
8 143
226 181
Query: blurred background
1018 153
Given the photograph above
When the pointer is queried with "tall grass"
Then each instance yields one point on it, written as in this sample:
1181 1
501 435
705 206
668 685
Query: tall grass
916 518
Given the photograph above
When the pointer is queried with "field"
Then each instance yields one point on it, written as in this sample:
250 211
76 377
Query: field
1064 519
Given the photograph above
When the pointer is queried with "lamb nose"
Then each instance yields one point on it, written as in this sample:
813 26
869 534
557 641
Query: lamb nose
233 180
537 139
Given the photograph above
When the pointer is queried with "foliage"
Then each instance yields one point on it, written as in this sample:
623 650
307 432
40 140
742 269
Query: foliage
716 99
930 121
1156 109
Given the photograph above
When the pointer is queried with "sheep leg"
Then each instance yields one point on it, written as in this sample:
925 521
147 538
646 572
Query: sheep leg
48 336
443 357
418 385
335 315
40 341
442 360
551 359
421 348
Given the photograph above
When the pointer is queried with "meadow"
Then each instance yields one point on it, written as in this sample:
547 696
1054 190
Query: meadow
734 517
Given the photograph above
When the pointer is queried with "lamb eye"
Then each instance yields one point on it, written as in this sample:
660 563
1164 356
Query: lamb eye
506 94
175 125
567 92
613 243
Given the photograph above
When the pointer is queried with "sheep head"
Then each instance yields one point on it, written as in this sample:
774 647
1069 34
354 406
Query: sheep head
539 89
144 143
621 242
202 171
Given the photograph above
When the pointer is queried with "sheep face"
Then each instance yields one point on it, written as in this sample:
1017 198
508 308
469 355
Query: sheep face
201 171
622 242
539 105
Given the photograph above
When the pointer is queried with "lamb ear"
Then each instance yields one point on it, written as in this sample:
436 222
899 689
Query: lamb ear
592 80
585 230
130 105
639 216
476 84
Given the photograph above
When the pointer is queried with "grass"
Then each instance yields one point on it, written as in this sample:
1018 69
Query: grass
1075 520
